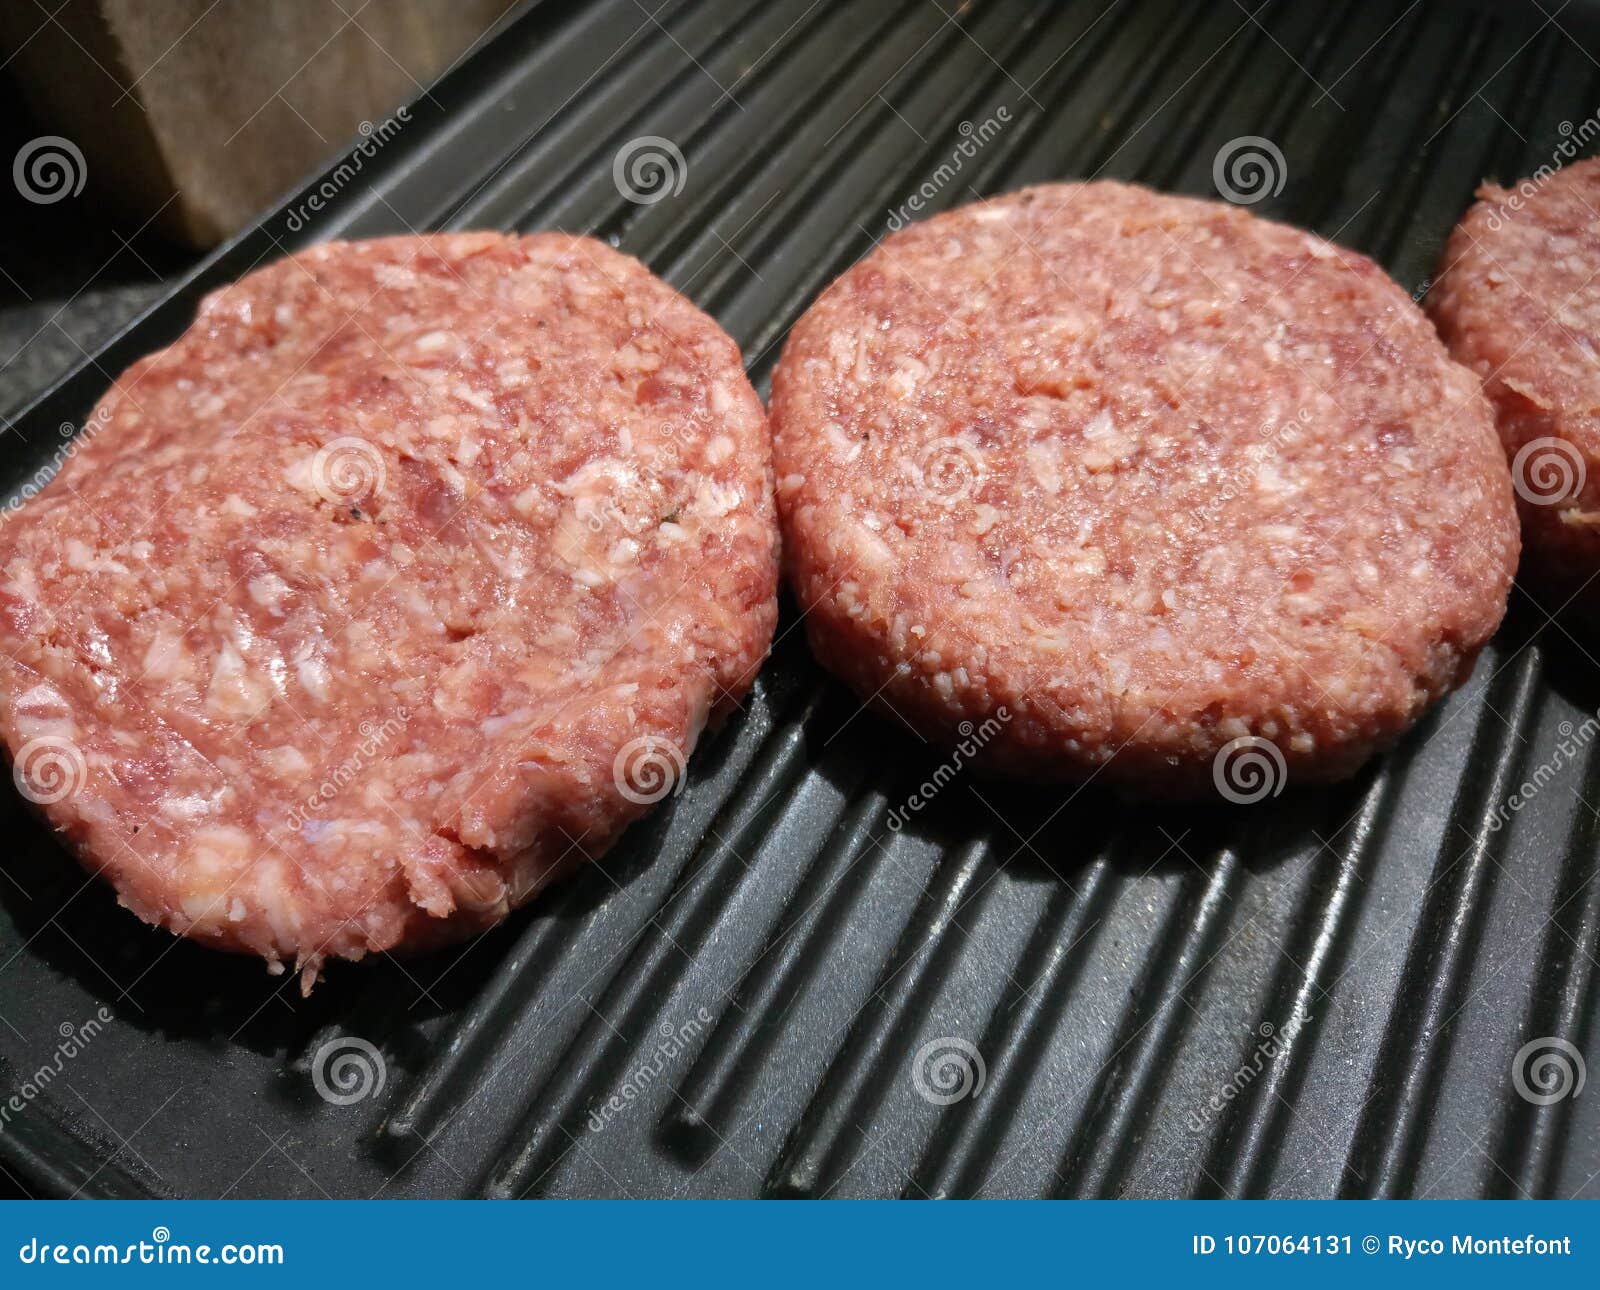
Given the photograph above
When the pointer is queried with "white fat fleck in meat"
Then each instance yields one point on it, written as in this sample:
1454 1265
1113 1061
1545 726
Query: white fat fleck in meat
512 564
187 806
80 555
529 501
602 477
301 474
434 341
395 276
314 678
1046 461
867 549
841 442
236 691
1270 480
715 500
165 658
472 397
287 762
908 374
269 591
42 711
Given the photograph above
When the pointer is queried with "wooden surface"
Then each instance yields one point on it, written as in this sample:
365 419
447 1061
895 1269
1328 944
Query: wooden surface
197 114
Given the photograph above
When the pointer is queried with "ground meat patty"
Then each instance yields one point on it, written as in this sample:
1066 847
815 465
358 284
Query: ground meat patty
1517 299
406 578
1108 481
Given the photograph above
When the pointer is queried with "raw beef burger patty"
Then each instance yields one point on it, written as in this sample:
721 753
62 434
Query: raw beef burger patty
406 578
1517 299
1128 478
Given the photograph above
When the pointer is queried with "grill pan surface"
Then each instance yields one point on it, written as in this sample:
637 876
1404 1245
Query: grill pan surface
1324 993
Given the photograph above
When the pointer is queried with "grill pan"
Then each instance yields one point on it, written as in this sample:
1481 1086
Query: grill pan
1325 993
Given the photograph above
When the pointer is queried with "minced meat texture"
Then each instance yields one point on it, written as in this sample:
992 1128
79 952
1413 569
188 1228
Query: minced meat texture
1137 476
405 579
1517 300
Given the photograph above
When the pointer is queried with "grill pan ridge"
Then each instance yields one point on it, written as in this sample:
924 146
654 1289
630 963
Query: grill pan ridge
733 1002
